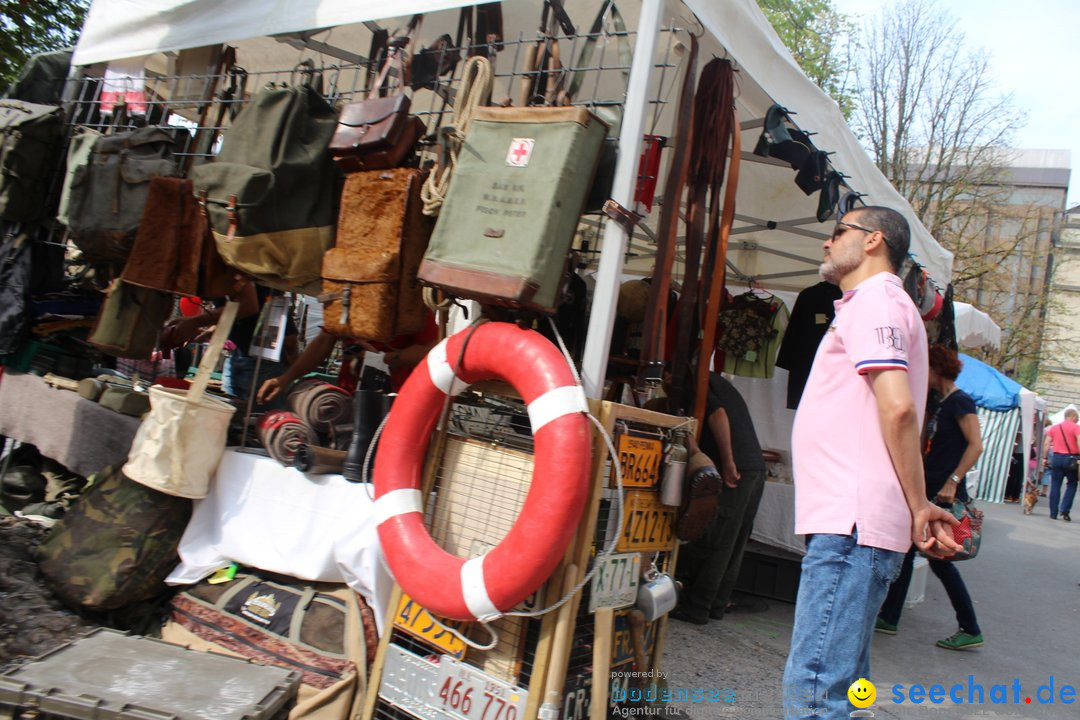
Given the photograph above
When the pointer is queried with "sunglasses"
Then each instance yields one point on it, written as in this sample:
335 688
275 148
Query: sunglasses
842 226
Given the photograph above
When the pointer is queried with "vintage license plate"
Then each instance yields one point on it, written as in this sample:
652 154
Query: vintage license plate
469 694
409 681
615 582
622 644
647 525
419 623
640 458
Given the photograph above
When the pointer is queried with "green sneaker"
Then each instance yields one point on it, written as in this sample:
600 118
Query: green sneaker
961 640
884 627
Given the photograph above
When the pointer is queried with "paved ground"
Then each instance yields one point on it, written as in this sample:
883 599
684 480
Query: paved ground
1025 586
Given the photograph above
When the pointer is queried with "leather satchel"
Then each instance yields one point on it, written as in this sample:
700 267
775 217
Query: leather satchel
378 132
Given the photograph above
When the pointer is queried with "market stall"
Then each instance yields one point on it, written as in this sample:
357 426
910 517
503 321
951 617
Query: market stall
144 67
1007 417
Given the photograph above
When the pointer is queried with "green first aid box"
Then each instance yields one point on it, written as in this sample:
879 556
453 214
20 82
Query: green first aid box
109 675
514 203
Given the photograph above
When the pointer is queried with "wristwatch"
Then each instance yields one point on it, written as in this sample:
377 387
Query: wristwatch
955 478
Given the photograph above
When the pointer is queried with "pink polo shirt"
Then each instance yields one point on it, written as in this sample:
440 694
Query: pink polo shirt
844 475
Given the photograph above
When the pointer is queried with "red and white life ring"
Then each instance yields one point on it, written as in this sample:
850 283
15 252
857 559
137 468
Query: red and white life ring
484 587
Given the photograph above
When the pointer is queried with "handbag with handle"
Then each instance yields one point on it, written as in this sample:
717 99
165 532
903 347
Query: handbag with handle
378 132
969 532
180 442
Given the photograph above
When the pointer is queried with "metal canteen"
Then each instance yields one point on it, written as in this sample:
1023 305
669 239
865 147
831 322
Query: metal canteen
656 597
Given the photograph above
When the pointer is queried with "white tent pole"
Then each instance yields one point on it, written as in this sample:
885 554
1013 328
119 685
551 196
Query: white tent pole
606 293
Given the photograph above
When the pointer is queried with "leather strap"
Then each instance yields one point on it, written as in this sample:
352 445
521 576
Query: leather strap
712 119
652 351
397 57
717 274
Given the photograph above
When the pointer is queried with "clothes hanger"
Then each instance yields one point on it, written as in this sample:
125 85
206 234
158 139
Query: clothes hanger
757 290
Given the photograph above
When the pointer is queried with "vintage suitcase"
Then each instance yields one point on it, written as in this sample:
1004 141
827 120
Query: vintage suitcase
370 288
514 204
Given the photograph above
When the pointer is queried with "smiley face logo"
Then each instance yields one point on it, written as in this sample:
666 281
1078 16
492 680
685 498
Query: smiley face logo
862 693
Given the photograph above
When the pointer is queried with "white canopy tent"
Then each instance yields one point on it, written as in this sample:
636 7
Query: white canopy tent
974 328
776 239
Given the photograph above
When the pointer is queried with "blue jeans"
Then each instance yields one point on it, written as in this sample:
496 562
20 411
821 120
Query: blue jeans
954 586
1058 472
840 590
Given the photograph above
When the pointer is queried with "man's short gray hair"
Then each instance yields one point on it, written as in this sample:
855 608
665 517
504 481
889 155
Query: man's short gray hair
893 226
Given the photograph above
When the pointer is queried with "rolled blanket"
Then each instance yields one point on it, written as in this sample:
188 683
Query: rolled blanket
317 460
325 408
281 433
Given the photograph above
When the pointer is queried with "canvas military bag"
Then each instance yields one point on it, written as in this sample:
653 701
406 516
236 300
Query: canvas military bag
325 631
116 545
30 138
511 212
130 319
370 290
108 194
78 155
270 193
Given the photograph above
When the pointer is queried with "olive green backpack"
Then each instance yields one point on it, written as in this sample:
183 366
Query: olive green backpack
270 193
30 138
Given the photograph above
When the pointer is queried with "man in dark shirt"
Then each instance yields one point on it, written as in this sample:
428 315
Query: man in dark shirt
710 565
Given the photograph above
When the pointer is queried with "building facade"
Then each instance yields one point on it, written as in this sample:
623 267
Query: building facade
1059 369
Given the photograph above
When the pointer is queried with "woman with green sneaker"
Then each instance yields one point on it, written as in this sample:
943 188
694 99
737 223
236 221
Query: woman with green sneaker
951 446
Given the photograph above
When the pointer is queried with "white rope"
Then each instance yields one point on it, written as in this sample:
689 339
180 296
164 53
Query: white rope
476 83
610 549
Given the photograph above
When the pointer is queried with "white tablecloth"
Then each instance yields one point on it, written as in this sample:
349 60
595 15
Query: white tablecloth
312 527
774 523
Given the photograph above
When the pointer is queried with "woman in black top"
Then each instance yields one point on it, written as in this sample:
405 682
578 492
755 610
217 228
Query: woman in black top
952 444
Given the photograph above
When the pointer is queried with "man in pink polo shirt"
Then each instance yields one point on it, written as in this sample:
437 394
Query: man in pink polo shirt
859 487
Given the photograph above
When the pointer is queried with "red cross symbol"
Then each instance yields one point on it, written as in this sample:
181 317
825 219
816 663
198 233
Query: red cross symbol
520 151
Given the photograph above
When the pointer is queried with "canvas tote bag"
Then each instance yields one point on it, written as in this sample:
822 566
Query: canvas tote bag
180 442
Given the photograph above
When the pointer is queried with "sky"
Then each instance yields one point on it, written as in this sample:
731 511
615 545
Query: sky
1035 56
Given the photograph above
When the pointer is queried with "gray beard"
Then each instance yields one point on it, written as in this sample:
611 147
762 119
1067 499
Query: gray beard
834 269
